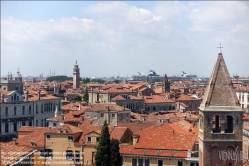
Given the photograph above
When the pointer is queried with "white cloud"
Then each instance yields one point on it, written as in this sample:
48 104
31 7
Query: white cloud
115 33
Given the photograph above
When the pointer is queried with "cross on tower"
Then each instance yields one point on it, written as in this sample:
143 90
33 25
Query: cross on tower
220 47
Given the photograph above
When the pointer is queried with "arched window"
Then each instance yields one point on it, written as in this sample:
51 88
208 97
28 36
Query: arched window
15 110
216 127
14 96
229 125
215 156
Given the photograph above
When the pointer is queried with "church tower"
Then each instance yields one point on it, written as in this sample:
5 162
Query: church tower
76 76
166 85
220 121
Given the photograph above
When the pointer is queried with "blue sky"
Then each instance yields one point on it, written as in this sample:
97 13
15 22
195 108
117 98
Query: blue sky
109 37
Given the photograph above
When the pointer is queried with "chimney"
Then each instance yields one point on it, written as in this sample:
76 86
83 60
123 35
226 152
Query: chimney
2 98
39 94
167 120
26 95
15 142
64 130
32 143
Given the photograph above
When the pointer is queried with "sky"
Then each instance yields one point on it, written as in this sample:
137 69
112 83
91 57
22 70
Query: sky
120 38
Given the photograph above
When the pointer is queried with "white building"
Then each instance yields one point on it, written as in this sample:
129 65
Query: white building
18 110
242 93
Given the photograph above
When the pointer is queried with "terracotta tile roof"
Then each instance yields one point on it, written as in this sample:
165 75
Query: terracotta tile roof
5 93
87 127
118 97
104 107
130 150
183 97
10 152
134 127
220 85
157 99
33 129
173 116
70 129
166 137
245 116
118 132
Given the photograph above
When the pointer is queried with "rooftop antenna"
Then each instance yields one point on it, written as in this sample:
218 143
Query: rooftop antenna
220 48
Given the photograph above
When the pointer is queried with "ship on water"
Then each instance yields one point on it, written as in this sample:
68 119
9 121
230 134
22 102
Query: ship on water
153 76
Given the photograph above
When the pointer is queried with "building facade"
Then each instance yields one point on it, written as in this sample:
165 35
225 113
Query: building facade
27 110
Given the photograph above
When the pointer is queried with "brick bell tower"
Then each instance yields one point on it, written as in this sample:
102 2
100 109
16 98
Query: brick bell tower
220 123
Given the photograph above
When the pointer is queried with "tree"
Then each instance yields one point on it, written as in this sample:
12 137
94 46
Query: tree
77 98
115 155
86 96
102 157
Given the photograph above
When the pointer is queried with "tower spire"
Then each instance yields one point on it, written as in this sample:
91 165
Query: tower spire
220 91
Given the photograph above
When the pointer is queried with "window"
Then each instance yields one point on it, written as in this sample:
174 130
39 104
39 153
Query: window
6 127
102 114
229 126
49 152
134 162
36 109
54 124
89 139
97 139
113 115
30 123
23 123
70 138
179 163
6 111
69 154
30 109
147 162
42 123
216 124
77 157
36 122
160 163
48 136
15 110
94 116
15 126
140 162
87 116
23 110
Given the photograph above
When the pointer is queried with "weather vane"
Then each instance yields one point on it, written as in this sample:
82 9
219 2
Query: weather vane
220 47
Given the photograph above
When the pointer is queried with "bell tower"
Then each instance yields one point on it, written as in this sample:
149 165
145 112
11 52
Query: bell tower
76 76
220 122
166 85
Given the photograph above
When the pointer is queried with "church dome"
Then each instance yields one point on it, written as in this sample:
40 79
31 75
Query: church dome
18 75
